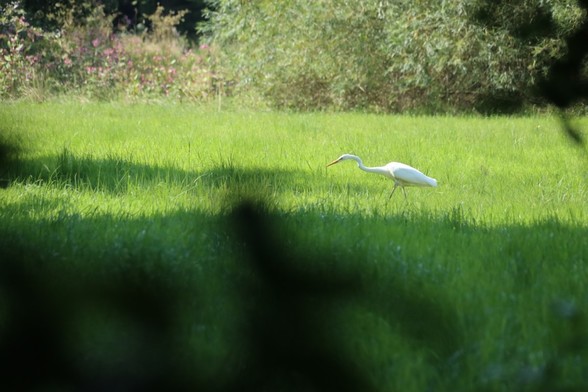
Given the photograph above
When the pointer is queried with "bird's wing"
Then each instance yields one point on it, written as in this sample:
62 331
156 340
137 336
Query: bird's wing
407 175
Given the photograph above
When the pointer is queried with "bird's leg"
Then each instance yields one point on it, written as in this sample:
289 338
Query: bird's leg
403 191
393 189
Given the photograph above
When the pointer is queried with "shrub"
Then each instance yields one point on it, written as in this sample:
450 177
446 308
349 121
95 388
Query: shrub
84 57
19 50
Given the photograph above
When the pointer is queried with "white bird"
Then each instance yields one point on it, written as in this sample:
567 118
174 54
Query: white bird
402 175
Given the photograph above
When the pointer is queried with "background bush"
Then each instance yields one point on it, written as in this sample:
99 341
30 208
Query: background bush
84 57
391 56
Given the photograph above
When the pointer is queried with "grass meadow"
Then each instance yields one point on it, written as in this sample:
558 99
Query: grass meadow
478 284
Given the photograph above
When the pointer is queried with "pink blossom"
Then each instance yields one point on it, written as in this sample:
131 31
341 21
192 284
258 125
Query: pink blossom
32 59
95 42
203 47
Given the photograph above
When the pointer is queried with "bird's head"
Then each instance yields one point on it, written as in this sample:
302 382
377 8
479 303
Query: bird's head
342 158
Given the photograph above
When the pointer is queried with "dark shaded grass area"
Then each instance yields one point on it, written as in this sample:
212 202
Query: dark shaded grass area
279 332
114 175
283 334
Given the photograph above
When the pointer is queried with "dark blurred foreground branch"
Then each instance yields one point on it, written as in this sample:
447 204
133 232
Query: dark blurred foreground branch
566 83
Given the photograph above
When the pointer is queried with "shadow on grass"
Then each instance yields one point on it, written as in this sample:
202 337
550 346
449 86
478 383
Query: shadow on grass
123 319
116 175
111 321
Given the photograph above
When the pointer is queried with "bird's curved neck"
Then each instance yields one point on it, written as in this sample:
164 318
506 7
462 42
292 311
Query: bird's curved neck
360 164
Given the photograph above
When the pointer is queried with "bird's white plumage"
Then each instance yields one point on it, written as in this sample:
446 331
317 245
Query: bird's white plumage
409 176
402 174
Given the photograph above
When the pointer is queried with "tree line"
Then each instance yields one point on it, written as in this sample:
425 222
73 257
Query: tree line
490 56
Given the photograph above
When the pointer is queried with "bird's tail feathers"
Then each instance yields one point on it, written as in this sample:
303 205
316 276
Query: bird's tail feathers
432 181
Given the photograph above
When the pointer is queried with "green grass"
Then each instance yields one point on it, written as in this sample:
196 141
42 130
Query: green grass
497 246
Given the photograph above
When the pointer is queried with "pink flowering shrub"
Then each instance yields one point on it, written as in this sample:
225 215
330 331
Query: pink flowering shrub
85 58
19 53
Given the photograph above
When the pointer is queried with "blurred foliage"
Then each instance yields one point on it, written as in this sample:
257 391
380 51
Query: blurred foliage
558 32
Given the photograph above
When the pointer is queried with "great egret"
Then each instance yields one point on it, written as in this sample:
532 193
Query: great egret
402 175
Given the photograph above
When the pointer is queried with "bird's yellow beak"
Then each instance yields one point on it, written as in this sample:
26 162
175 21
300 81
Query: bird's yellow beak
332 163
